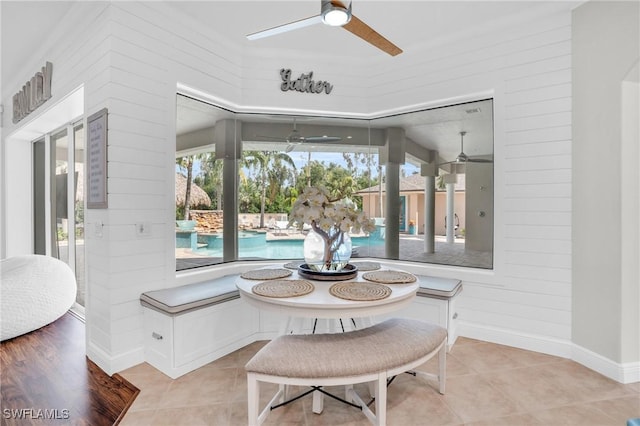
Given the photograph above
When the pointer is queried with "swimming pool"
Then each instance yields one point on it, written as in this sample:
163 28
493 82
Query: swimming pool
255 245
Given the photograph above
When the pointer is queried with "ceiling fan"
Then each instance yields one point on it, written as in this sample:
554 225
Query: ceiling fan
295 138
334 13
463 158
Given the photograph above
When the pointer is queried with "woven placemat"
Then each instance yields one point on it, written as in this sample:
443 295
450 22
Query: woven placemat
366 266
389 277
283 288
294 264
359 291
266 274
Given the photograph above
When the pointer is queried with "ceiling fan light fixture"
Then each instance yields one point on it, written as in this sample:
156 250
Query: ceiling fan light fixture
335 16
462 158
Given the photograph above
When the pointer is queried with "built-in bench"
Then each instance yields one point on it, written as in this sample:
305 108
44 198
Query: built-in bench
437 303
188 326
372 354
191 325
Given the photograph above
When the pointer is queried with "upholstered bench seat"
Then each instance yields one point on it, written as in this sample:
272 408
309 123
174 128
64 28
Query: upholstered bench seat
186 298
368 355
437 287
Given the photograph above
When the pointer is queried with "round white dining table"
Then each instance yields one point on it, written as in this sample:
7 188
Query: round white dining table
320 303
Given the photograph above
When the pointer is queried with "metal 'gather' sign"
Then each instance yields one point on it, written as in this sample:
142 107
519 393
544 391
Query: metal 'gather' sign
33 94
304 83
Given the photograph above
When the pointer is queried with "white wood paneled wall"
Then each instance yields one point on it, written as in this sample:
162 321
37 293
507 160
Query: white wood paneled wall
527 299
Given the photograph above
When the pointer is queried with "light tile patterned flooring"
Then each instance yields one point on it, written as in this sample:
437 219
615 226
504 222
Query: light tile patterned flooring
487 384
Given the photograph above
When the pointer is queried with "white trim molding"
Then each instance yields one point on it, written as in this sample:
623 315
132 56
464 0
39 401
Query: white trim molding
527 341
625 373
114 364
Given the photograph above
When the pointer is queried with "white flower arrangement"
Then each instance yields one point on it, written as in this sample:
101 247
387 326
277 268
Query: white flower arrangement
329 218
315 207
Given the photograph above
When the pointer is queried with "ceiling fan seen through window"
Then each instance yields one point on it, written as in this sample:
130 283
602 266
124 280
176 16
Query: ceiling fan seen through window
295 138
463 158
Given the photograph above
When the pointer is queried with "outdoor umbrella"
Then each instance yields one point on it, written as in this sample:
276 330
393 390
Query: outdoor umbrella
198 196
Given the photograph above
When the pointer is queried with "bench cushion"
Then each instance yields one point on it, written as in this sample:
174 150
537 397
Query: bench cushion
182 299
378 348
439 288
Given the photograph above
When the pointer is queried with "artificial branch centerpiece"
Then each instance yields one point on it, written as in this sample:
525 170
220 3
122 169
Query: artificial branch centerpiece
330 218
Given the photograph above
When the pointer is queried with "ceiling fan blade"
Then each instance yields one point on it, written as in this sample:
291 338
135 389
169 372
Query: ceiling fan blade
322 139
357 27
286 27
479 160
272 138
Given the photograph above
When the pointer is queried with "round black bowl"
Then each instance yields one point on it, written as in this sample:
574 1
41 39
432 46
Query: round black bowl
348 272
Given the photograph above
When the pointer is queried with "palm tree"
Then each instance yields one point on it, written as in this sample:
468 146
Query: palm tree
212 170
262 160
187 163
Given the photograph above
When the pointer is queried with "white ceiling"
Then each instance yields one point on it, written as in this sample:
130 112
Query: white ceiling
24 26
409 24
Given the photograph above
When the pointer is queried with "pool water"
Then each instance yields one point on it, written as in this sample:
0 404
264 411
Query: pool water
255 245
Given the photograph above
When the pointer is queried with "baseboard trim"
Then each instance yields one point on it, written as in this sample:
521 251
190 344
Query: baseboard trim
620 372
176 372
531 342
112 365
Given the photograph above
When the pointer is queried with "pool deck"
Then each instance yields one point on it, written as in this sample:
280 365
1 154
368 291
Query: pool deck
285 235
411 249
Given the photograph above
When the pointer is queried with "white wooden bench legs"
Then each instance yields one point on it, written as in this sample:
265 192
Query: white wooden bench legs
256 416
318 402
442 370
297 325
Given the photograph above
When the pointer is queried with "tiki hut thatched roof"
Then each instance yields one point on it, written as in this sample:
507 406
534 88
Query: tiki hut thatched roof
198 196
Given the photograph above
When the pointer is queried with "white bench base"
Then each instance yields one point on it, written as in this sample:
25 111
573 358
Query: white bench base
186 327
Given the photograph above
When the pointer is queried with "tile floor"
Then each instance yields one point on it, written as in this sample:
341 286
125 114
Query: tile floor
487 384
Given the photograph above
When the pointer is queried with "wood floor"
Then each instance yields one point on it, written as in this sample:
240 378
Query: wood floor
46 378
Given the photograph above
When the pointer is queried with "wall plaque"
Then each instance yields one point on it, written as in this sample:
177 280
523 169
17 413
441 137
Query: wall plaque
97 160
34 93
305 83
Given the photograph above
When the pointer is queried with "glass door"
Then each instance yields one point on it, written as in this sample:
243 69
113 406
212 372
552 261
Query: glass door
58 199
78 207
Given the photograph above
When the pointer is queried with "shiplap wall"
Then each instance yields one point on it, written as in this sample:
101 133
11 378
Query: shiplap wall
526 301
136 53
150 52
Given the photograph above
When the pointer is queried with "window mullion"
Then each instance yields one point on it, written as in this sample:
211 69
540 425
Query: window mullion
71 195
48 195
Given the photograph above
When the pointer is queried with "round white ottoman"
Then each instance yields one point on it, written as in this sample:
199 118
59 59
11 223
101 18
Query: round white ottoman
35 290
